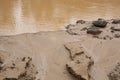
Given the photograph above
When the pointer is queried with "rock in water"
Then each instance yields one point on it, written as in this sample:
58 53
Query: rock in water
116 21
100 23
93 31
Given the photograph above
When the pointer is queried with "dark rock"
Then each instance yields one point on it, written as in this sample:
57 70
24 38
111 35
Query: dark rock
1 62
100 19
23 59
80 21
116 21
23 75
10 79
112 31
1 68
94 36
28 63
84 29
115 73
70 32
93 31
12 67
13 64
104 38
115 29
100 23
70 25
107 37
117 35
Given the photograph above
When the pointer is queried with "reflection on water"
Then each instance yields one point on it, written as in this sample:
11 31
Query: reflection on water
19 16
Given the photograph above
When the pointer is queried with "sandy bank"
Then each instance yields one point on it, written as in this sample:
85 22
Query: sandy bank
43 55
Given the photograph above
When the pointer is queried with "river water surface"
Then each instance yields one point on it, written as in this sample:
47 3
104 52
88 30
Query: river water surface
21 16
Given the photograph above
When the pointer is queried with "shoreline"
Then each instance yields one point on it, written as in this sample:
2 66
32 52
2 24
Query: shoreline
65 28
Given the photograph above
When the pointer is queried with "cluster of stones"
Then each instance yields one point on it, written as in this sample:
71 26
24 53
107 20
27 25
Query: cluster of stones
95 28
100 23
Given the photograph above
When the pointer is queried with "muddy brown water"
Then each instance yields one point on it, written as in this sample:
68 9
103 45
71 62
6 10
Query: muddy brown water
21 16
